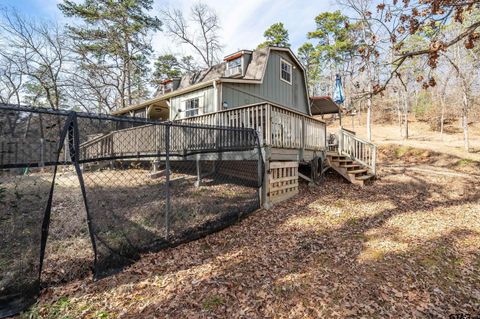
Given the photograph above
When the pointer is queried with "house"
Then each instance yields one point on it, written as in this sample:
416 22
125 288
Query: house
265 89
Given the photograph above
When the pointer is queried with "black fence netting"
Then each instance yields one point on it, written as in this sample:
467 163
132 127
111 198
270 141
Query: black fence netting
82 192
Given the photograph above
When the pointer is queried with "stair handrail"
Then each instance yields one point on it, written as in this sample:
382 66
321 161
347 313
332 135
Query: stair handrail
358 149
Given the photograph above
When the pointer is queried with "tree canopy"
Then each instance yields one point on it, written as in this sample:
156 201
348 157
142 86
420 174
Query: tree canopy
276 35
114 34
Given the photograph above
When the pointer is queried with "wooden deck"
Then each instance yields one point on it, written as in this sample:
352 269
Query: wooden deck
286 138
283 135
286 135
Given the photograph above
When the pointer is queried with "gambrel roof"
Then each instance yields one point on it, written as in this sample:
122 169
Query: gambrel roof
255 70
254 74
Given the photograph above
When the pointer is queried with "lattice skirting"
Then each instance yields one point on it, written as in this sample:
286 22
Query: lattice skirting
282 181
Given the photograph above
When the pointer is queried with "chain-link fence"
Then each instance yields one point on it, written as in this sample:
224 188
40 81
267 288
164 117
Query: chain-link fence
103 190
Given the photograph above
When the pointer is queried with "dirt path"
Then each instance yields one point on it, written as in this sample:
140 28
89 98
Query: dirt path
407 246
432 170
420 136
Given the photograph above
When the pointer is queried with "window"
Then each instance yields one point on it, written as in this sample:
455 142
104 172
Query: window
286 71
235 63
191 107
168 87
234 67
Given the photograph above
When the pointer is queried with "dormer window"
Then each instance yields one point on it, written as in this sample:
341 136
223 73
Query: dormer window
169 87
234 67
236 63
166 86
286 71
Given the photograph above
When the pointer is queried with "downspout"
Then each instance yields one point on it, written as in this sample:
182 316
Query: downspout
215 100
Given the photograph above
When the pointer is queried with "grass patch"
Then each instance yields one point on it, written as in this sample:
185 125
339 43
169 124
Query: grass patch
212 302
464 162
353 222
52 311
401 151
102 315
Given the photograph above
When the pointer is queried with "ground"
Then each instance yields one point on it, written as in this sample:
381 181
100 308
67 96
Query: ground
406 246
421 136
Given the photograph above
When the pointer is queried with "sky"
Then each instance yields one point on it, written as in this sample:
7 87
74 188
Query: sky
243 22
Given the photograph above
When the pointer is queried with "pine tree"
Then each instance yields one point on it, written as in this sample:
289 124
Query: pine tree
114 38
276 35
335 42
308 56
166 67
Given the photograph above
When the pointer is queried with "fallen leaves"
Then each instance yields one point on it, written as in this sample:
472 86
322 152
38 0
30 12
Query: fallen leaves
407 246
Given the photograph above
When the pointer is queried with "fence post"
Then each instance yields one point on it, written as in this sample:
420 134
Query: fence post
167 180
42 153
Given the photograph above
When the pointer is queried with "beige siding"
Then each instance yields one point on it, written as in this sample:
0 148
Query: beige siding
206 102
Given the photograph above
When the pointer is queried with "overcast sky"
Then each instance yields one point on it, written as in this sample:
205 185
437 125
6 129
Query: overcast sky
243 22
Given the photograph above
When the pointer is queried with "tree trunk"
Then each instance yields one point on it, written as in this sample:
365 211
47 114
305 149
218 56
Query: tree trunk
442 116
369 118
359 113
466 142
399 112
369 102
405 115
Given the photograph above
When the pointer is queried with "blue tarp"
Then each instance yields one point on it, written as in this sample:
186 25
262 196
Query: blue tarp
338 94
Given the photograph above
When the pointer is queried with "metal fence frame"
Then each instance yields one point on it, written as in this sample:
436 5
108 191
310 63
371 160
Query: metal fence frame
69 140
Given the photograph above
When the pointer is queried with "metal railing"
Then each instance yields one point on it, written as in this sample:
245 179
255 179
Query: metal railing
360 150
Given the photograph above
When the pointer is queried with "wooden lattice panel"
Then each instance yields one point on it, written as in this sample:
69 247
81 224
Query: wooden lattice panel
282 181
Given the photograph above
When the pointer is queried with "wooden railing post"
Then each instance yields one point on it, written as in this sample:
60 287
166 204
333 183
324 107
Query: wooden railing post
295 130
340 141
268 124
362 151
304 133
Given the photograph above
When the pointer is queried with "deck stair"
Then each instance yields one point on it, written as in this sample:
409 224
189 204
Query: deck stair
355 159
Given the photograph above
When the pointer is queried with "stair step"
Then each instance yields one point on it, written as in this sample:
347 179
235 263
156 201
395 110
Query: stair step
333 154
343 160
363 177
357 171
350 165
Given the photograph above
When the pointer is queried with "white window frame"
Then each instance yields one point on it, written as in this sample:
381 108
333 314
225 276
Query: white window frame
281 71
238 58
238 69
198 108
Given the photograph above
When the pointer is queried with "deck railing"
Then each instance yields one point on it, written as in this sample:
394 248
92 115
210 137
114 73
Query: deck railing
280 127
150 140
125 142
16 150
362 151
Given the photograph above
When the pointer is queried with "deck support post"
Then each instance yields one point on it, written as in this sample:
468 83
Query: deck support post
264 200
199 172
313 170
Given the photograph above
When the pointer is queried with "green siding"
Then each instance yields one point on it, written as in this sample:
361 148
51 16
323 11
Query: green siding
273 89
